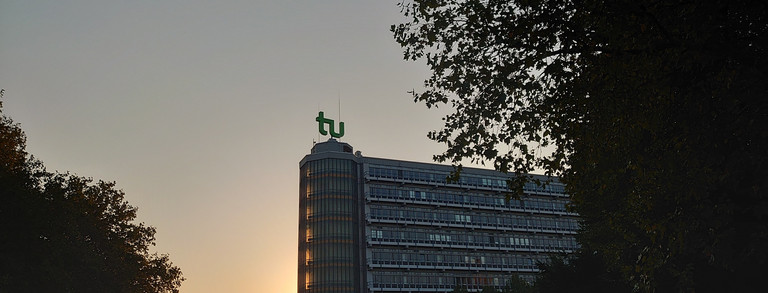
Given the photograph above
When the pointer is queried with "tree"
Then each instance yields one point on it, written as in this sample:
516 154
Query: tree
64 233
518 285
583 271
655 112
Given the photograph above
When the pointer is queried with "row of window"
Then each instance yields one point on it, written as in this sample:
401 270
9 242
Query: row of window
336 278
434 177
476 240
331 252
432 217
325 206
415 280
455 260
330 186
331 229
443 197
464 180
338 166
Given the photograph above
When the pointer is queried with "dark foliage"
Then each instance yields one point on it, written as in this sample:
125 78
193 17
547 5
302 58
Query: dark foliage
518 285
656 112
64 233
581 272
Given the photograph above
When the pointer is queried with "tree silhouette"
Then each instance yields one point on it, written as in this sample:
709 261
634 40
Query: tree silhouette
655 111
65 233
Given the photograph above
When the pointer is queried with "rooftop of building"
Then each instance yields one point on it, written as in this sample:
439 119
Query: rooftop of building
333 148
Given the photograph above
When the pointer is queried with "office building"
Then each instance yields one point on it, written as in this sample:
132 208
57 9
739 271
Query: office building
383 225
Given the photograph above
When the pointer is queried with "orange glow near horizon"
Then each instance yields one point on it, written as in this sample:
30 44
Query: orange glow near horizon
201 113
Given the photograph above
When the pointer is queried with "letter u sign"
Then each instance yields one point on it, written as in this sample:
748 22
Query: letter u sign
321 121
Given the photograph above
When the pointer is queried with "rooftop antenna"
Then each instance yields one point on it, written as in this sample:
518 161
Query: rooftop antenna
339 100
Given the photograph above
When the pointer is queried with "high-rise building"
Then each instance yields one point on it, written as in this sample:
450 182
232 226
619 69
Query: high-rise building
382 225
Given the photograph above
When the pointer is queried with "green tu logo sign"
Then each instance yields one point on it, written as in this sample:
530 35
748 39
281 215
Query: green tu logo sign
321 121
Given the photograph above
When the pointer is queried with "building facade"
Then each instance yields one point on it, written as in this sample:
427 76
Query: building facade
382 225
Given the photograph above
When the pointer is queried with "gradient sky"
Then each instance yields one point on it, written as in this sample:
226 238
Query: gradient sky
201 111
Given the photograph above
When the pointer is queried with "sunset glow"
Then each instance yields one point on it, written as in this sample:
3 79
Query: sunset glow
201 112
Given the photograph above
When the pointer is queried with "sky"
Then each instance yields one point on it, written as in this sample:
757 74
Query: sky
202 110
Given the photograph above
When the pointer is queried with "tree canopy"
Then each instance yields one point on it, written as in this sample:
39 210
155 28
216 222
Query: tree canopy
652 112
65 233
581 272
518 285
